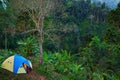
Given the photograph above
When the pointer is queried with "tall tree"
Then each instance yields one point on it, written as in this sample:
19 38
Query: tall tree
112 35
37 10
114 17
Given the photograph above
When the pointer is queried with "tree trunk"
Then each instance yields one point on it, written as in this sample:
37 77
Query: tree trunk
40 51
40 32
5 39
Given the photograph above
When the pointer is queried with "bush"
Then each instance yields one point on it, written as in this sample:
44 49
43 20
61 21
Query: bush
5 54
28 47
60 66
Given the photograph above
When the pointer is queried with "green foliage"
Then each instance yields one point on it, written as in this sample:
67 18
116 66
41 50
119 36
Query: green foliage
112 36
1 59
95 51
114 17
7 23
79 44
64 66
76 22
60 66
5 54
99 55
28 46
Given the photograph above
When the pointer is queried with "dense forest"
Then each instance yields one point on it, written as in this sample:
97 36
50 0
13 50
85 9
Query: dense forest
64 39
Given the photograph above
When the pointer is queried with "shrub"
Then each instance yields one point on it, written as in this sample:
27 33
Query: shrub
28 47
60 66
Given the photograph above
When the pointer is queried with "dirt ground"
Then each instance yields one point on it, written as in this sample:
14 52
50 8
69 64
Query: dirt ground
35 76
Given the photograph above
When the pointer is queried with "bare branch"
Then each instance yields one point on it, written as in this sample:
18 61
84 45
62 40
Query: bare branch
48 7
49 37
32 30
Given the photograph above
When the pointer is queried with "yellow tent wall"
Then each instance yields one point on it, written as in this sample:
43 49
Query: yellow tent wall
21 70
8 63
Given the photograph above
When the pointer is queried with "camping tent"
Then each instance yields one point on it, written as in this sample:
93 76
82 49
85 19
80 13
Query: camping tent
15 64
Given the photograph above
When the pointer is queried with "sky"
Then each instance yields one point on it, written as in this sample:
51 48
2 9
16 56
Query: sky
110 3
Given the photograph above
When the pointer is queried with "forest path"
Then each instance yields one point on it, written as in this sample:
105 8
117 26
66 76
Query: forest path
33 75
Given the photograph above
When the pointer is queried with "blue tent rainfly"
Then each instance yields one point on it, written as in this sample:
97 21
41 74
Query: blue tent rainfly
17 64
